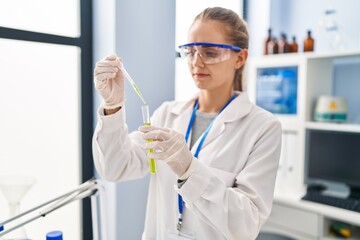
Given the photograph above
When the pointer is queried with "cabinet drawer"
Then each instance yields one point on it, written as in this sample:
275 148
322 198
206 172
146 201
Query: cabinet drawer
295 219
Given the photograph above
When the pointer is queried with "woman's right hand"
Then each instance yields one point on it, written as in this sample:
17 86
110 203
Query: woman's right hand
109 81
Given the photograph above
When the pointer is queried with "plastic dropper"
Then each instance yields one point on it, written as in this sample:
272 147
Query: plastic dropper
145 114
136 89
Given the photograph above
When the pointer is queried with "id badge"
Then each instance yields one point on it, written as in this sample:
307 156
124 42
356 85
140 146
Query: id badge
178 236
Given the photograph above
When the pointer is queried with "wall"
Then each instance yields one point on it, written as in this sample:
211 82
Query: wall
104 44
144 38
296 17
258 23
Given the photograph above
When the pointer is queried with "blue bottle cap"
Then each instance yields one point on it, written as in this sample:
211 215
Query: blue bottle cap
54 235
1 228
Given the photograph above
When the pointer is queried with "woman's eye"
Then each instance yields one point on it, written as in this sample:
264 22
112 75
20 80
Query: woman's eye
211 54
190 53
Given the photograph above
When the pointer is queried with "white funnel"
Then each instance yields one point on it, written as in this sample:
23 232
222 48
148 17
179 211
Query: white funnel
14 187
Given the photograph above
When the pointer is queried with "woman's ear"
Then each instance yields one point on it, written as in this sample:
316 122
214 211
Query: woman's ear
241 58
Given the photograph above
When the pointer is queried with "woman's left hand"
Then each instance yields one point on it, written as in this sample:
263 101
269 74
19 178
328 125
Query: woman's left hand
169 146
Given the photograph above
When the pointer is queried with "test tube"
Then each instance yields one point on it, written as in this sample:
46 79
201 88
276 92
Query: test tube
146 121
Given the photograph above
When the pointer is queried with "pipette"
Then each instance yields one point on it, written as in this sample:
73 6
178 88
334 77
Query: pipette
145 114
136 89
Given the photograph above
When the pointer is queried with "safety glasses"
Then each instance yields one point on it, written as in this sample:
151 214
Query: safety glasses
210 53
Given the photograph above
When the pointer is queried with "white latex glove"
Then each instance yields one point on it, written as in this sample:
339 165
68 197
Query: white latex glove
169 146
109 81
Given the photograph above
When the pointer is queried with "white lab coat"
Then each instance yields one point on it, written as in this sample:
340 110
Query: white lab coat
230 193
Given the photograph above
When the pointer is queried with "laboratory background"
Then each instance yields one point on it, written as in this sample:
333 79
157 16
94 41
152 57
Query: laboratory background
303 66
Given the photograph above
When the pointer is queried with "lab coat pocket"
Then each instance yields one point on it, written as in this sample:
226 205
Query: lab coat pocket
227 177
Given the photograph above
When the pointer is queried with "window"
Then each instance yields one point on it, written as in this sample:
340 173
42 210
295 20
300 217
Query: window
46 100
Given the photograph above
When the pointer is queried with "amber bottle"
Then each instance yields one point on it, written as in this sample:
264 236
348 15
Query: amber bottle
309 43
273 47
283 44
267 41
294 46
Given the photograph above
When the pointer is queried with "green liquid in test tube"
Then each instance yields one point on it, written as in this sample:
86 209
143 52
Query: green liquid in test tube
146 121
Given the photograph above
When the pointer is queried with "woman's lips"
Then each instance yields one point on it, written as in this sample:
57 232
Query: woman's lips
200 75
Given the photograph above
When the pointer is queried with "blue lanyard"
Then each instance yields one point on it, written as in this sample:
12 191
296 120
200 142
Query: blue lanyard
191 123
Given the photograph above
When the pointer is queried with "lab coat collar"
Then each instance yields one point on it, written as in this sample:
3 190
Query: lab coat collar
237 109
183 106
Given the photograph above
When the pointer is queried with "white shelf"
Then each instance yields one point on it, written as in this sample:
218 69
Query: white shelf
333 213
311 55
289 122
315 74
327 213
340 127
333 54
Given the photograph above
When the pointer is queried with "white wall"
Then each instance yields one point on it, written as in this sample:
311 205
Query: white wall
145 36
104 44
258 24
296 17
142 33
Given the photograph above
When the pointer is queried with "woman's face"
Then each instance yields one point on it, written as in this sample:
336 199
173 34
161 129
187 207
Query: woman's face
218 76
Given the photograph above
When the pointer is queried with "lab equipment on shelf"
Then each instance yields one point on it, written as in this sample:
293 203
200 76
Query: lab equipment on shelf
284 46
332 164
273 45
91 188
267 42
309 42
294 45
331 109
276 90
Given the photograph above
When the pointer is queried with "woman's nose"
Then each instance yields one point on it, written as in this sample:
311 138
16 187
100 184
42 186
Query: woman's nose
197 60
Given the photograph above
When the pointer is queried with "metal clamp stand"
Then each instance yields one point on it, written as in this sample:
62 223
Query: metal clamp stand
91 188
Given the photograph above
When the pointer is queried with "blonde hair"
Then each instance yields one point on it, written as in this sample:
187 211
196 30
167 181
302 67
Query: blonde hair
235 30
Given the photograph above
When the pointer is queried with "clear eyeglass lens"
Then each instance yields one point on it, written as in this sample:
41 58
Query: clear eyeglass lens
209 55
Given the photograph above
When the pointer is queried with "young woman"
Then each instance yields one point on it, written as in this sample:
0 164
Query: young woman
217 153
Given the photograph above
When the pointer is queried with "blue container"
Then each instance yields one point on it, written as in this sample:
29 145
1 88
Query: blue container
54 235
276 90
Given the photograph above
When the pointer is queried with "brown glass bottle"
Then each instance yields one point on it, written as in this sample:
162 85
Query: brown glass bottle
273 47
284 46
267 41
309 43
294 46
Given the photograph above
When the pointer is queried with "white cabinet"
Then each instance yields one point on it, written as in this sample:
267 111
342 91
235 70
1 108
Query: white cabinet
316 75
293 222
301 220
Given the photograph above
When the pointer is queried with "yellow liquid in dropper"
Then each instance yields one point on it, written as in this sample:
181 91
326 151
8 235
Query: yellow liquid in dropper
137 90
